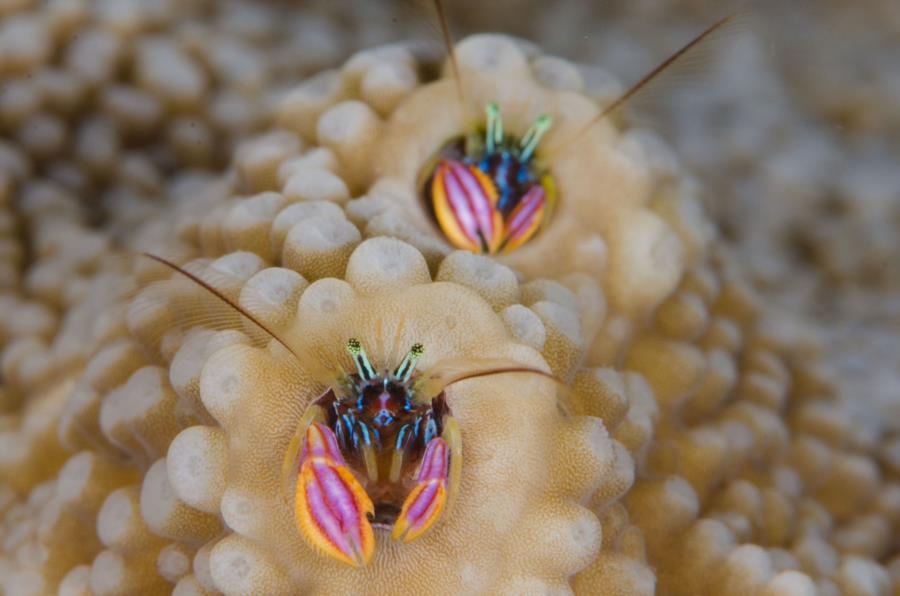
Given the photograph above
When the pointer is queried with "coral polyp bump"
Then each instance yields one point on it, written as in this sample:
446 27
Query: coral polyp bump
602 404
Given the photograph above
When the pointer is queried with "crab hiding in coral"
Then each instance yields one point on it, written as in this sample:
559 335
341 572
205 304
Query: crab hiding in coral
378 449
486 190
375 457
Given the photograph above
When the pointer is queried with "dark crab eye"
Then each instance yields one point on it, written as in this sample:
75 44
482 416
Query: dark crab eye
486 192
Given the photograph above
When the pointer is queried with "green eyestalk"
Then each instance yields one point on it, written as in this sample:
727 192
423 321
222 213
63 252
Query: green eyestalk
403 372
361 359
494 136
531 139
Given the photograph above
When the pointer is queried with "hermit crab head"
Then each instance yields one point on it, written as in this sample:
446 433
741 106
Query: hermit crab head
374 457
487 191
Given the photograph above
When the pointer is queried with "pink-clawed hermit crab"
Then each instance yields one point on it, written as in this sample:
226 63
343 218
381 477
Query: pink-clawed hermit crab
374 458
486 190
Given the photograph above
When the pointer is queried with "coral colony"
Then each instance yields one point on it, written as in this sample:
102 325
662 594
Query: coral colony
402 333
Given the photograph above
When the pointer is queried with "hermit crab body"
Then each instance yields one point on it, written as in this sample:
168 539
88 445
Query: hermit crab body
374 458
487 193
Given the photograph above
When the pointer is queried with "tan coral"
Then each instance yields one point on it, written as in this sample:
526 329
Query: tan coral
725 462
257 396
712 310
601 225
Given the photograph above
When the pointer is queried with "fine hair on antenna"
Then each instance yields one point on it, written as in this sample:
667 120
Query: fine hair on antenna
648 78
225 299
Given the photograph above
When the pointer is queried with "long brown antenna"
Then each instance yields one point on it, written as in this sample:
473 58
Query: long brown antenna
623 99
448 42
218 294
503 370
498 370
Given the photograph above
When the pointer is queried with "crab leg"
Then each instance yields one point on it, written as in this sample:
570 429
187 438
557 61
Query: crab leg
525 218
426 501
331 506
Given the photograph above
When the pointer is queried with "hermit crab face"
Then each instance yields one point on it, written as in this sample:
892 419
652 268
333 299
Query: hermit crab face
375 458
487 192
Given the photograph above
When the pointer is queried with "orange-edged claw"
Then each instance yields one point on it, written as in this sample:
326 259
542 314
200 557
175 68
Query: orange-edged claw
525 219
464 200
425 502
331 506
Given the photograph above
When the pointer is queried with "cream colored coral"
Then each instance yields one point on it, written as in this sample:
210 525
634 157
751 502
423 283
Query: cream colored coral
178 493
257 396
86 133
602 225
720 460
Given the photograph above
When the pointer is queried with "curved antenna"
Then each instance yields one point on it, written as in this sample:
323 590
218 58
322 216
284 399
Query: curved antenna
454 370
650 76
505 370
451 52
225 299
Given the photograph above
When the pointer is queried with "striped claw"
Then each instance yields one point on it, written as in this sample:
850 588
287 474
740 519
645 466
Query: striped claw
425 502
465 200
331 506
525 219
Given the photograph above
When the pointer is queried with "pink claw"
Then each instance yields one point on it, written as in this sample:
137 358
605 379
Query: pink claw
464 200
525 218
331 505
321 442
425 502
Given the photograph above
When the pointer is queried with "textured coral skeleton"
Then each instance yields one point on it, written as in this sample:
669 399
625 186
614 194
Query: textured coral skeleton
698 449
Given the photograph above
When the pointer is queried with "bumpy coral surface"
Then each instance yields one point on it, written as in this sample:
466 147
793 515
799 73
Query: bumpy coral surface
697 448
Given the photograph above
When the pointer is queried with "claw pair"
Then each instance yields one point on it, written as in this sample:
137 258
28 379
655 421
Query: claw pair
371 454
466 204
333 510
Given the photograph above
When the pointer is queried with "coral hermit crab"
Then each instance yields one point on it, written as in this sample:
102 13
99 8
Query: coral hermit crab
359 460
489 193
379 449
